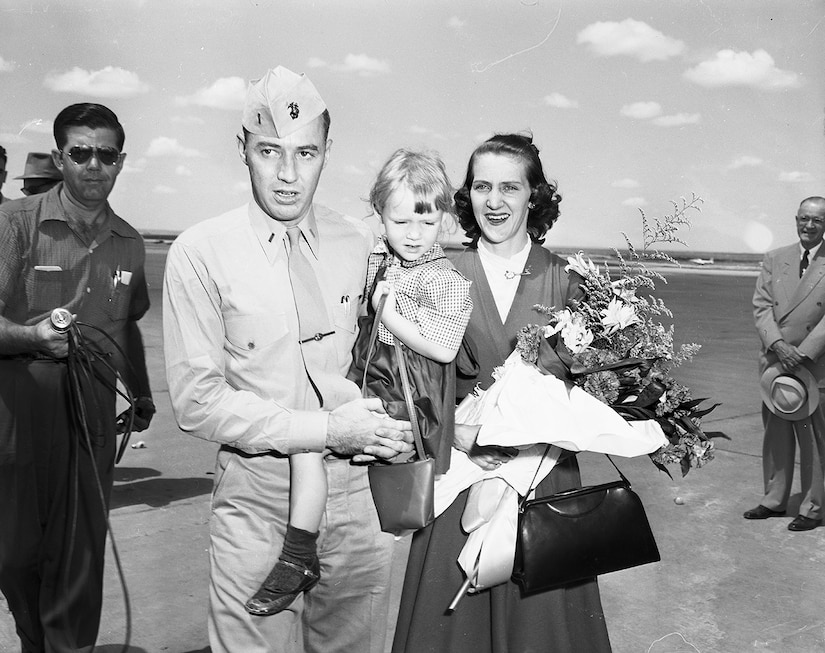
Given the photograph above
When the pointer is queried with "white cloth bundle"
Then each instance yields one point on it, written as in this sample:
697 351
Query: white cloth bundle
526 409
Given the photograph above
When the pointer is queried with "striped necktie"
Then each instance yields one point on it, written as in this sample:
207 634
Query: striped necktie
313 321
803 264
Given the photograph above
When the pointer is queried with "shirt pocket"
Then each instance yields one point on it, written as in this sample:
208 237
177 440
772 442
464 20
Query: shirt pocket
45 289
117 306
251 333
345 314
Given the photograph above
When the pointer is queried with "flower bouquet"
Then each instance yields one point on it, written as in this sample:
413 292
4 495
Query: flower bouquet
595 377
618 351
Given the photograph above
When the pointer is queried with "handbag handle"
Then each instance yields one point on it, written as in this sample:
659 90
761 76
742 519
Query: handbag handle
546 451
405 379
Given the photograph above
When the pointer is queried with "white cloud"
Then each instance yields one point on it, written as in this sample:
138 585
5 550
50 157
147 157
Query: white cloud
559 101
6 66
225 93
134 166
183 171
108 82
641 110
10 137
165 146
745 161
354 170
795 176
625 183
629 37
677 120
730 68
316 62
363 65
419 130
241 186
160 189
635 201
187 120
456 23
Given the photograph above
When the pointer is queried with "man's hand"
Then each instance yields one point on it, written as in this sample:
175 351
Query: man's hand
362 429
789 356
49 341
144 411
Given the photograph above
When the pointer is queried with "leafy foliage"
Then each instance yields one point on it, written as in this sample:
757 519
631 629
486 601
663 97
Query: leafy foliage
617 348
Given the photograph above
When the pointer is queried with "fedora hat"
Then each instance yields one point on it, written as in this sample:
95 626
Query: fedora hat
39 165
793 395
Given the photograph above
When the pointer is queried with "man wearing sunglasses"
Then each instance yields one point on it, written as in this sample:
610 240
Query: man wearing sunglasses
65 248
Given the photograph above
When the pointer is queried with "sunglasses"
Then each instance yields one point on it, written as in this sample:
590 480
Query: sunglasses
81 153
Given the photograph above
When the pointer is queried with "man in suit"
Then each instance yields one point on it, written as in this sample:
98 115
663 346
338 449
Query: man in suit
789 310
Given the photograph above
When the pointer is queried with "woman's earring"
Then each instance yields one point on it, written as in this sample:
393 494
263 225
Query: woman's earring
531 206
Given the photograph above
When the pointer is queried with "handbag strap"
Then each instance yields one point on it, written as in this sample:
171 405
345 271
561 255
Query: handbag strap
546 451
408 398
371 346
405 379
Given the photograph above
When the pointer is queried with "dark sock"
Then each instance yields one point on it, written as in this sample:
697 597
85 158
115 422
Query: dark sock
299 546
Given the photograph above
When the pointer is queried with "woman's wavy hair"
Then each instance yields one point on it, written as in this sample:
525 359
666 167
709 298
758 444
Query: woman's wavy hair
544 194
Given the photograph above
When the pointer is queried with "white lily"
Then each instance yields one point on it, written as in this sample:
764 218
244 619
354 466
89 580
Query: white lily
562 319
618 315
582 265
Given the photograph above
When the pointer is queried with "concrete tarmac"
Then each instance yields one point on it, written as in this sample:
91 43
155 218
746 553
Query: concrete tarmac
724 584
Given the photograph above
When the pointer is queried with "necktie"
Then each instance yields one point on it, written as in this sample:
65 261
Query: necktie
313 322
803 264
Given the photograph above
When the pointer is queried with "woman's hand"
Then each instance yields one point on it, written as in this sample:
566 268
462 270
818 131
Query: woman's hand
488 458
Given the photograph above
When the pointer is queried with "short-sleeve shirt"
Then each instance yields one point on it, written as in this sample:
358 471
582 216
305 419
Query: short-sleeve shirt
45 265
429 292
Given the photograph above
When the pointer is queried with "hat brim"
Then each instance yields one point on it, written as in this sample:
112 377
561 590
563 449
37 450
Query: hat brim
805 376
45 175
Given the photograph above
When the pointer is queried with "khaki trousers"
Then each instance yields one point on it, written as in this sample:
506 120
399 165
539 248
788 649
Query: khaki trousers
346 612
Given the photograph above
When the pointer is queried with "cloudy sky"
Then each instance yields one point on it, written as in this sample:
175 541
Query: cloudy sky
633 103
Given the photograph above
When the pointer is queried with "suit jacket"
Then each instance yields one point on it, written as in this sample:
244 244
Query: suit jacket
792 309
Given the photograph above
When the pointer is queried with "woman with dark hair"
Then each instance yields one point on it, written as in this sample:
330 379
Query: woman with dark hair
505 207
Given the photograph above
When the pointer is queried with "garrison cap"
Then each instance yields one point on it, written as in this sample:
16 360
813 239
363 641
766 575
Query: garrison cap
280 103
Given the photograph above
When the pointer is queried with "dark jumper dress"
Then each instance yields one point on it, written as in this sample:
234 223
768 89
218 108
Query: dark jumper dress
499 619
430 292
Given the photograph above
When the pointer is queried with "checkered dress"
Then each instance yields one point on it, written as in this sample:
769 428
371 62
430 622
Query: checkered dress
429 292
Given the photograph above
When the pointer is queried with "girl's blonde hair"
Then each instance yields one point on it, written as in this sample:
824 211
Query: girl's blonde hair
423 173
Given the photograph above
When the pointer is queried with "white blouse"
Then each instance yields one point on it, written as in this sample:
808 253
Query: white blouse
503 274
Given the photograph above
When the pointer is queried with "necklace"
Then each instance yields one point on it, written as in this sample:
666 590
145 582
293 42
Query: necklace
509 274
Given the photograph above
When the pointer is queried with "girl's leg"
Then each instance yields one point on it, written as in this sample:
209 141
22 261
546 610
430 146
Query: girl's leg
297 569
307 491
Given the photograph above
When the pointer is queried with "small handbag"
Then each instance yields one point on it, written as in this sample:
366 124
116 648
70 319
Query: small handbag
402 492
581 533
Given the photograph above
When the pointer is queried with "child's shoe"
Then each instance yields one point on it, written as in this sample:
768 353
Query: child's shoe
283 585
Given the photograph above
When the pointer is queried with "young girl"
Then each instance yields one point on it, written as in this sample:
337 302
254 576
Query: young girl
427 308
428 301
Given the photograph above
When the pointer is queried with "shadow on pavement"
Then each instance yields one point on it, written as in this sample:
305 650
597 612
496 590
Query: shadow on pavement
119 648
143 485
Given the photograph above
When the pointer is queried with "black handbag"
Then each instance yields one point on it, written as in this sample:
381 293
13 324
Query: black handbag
402 492
581 533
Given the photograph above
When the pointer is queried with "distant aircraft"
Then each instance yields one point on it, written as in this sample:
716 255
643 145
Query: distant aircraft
702 261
